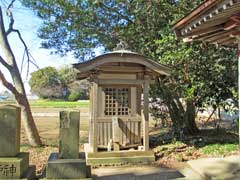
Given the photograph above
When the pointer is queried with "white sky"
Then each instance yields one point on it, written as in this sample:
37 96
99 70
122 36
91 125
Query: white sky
28 23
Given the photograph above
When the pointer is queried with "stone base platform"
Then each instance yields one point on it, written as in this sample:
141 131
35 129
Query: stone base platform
119 158
16 167
30 174
68 179
66 168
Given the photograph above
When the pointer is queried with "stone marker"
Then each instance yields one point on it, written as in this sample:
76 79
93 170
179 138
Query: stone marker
67 164
116 134
14 164
10 117
69 135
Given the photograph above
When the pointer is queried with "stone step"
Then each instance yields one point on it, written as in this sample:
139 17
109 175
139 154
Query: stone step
218 168
120 158
190 174
135 173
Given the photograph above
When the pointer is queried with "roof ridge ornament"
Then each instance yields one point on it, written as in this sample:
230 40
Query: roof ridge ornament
122 45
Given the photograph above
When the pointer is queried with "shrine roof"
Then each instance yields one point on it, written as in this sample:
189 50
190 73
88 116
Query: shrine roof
123 57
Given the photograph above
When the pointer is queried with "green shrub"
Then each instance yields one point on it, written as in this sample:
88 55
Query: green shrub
219 149
74 96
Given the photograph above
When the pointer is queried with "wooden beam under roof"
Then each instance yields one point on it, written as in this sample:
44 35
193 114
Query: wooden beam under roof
219 37
203 7
213 13
218 20
210 36
220 40
216 36
230 40
205 31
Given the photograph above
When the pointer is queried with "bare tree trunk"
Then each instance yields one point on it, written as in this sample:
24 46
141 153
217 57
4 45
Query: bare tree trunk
18 90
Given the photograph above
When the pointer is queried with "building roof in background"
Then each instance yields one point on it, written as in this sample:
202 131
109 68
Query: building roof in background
214 21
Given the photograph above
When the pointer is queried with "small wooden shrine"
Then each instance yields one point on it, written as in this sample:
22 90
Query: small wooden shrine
118 82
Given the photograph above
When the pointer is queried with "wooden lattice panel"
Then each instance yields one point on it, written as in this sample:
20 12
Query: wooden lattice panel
116 101
122 100
110 101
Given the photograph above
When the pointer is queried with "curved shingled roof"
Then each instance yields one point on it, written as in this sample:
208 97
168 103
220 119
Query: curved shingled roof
121 57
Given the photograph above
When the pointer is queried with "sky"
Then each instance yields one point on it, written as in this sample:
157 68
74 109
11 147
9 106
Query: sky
28 23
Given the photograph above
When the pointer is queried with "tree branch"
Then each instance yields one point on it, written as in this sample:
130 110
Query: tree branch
34 61
8 85
11 4
23 42
11 29
9 14
4 42
5 64
117 12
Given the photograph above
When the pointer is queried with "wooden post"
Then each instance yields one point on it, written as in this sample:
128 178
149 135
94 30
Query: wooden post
146 113
90 117
133 101
238 41
94 114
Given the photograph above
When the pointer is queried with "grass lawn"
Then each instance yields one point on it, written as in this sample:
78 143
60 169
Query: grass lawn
59 104
219 149
53 104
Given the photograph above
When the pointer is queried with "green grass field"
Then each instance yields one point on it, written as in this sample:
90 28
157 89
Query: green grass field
53 104
219 149
59 104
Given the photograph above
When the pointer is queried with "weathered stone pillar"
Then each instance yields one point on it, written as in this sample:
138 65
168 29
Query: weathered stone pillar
69 135
67 164
10 124
13 163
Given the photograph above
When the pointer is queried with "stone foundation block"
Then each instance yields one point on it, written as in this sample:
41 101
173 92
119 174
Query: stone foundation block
65 168
14 167
29 175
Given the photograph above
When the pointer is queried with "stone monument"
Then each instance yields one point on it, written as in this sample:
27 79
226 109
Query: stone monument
13 163
67 164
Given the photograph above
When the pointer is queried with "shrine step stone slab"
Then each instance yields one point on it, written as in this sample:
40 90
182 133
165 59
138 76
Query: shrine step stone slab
120 158
68 179
14 167
65 168
10 118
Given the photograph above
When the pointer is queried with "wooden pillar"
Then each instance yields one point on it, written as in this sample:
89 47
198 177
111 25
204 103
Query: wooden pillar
238 41
133 101
90 116
146 113
93 119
